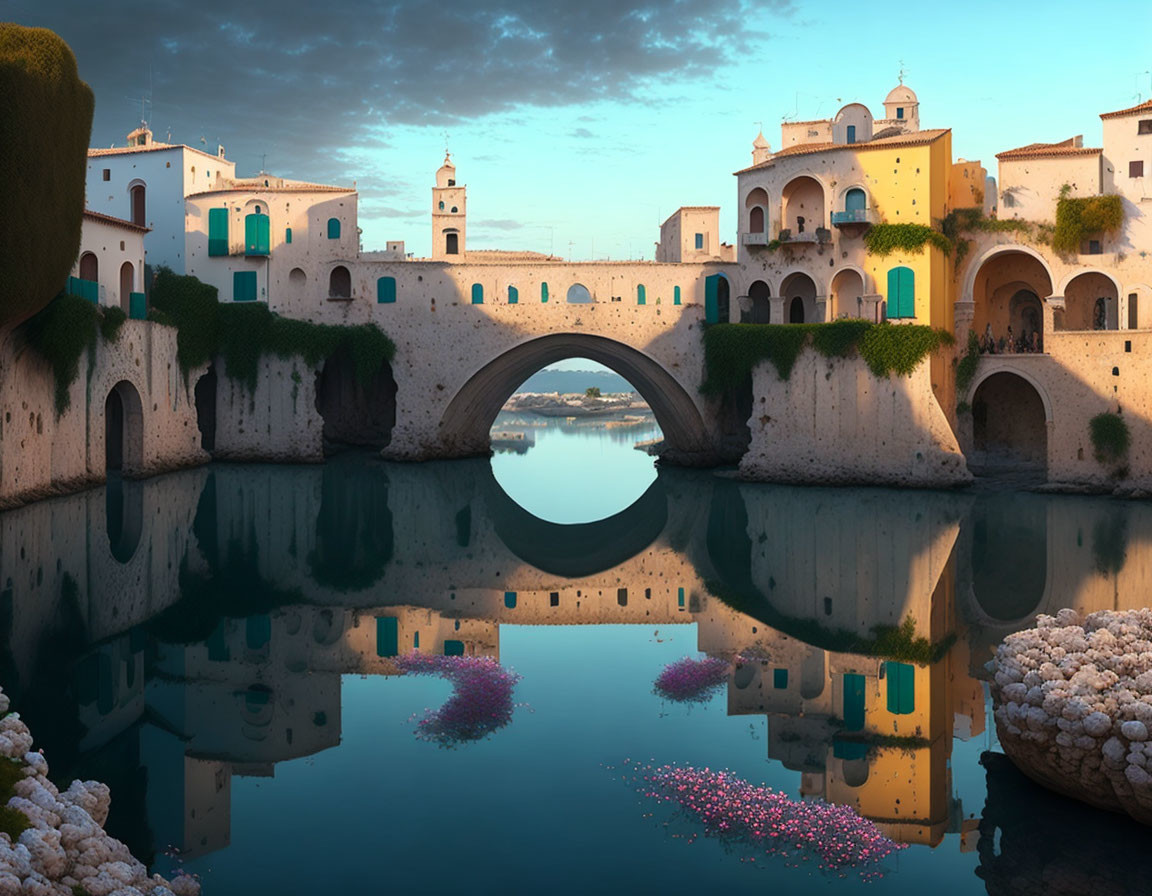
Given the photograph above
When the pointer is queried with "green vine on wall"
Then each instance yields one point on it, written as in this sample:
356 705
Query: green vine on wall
966 368
1079 218
884 239
1110 438
732 350
243 333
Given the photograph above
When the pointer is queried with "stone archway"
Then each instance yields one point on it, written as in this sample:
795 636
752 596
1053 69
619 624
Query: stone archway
847 295
1091 302
465 425
799 293
1009 425
1007 289
124 430
760 295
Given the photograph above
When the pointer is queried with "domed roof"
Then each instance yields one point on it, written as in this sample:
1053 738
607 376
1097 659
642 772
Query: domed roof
760 142
901 93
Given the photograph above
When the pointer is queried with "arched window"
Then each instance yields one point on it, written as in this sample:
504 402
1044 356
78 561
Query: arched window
333 228
477 294
441 205
855 200
340 283
796 311
451 243
901 293
513 295
543 292
386 291
257 233
136 193
756 220
675 295
641 295
127 275
578 294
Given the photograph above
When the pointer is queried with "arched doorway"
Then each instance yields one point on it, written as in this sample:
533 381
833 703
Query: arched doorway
1007 293
803 207
1009 425
760 294
717 299
340 283
796 311
465 426
799 291
847 294
1091 302
123 430
136 200
89 267
127 275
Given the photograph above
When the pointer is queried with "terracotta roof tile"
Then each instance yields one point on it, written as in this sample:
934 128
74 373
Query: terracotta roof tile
1048 150
1146 106
916 138
151 147
117 222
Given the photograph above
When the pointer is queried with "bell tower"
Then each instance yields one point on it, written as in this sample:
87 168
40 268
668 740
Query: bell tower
449 218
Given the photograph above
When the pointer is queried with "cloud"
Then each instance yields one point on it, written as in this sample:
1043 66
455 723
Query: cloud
497 224
582 133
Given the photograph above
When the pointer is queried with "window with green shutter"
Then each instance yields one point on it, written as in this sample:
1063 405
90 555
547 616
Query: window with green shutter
901 679
641 295
676 295
385 290
257 234
333 228
244 286
901 293
712 299
780 679
853 701
453 648
287 234
387 636
510 600
217 231
543 292
477 294
513 295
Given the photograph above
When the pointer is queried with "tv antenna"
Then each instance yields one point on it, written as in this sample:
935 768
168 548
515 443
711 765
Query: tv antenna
903 72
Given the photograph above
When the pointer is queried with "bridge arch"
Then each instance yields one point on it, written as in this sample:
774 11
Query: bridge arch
469 415
1011 419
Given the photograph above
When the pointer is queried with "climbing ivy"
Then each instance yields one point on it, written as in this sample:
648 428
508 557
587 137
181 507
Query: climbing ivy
62 331
732 350
884 239
1110 437
1079 218
243 333
966 368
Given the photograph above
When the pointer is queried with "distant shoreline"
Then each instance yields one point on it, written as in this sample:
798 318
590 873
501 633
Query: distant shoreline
572 404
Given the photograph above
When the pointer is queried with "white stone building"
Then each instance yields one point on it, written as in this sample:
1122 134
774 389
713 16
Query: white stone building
110 267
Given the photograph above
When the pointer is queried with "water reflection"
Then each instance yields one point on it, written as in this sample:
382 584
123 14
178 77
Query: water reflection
856 622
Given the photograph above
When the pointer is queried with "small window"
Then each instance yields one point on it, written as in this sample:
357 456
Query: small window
622 597
441 205
1143 127
554 599
333 228
451 182
244 286
699 241
851 134
780 679
454 209
1136 169
1094 247
510 600
543 292
340 283
451 244
287 234
680 598
675 295
107 174
386 291
899 112
641 295
477 294
513 295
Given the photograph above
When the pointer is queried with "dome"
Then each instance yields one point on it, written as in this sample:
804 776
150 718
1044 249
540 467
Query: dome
901 94
760 142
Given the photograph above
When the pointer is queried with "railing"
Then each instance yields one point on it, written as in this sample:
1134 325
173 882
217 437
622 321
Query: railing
754 239
853 216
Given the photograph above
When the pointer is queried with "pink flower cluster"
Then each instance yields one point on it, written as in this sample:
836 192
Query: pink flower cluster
480 703
750 815
691 680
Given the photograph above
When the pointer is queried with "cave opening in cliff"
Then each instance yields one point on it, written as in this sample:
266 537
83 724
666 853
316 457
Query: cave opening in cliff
574 441
356 414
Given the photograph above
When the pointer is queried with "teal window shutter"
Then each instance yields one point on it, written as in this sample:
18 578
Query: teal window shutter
333 228
901 292
853 701
510 600
387 636
780 679
641 295
137 306
217 231
851 136
699 241
453 648
244 286
543 292
901 679
680 598
257 234
287 234
513 295
386 290
416 640
477 294
854 200
676 295
712 299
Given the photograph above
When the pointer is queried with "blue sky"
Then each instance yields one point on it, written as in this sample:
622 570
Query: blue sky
578 129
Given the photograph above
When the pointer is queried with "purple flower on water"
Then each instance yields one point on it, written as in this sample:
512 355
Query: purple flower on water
691 680
481 701
754 818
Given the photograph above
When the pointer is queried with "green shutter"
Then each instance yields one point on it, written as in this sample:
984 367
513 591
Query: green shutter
217 231
712 299
543 292
387 636
676 295
453 648
137 306
780 679
416 640
901 679
641 295
257 234
513 295
477 294
901 292
287 234
855 200
853 701
88 289
333 228
385 290
680 598
244 286
510 600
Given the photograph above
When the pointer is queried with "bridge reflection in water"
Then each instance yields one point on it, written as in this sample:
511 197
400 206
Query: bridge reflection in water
167 635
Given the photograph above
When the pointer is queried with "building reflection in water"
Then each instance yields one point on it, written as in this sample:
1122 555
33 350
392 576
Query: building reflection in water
166 635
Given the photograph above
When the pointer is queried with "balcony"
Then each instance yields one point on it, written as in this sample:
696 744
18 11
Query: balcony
858 217
754 239
820 235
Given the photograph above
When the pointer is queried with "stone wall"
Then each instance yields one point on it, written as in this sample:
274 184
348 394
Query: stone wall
42 454
834 422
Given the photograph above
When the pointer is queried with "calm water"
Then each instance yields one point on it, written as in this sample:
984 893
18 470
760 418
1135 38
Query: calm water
215 644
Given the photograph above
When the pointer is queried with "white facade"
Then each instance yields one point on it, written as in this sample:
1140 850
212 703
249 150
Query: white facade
692 234
115 250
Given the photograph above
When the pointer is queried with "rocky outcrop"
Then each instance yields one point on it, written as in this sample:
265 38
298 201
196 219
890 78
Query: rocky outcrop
1073 705
65 850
